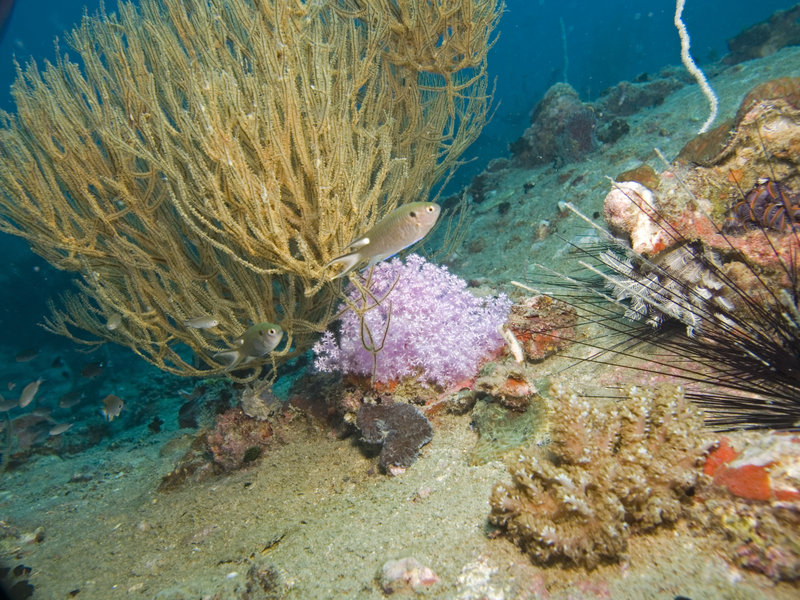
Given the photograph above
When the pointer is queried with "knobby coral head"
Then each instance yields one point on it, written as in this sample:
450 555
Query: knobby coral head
435 329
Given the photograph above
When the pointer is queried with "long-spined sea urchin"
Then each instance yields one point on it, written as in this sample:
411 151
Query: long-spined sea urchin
738 346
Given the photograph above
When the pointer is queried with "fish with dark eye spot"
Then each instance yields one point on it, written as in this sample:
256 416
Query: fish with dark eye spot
92 370
258 340
404 226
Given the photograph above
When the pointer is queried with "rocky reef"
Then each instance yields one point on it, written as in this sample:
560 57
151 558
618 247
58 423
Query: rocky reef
542 325
565 130
613 468
562 130
400 429
767 37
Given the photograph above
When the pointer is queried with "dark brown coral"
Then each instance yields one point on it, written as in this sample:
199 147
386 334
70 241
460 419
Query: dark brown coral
399 428
767 37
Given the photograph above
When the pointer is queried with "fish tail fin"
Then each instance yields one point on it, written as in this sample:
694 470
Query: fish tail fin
347 262
232 357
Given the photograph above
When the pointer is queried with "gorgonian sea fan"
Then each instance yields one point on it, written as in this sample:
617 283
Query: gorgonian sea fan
438 330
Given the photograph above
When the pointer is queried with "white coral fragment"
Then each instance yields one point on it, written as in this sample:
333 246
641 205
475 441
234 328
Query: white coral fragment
631 207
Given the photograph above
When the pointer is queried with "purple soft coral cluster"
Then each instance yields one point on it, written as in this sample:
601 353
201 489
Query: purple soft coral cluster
438 331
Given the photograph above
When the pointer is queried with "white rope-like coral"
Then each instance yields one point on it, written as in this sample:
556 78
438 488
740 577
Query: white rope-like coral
696 72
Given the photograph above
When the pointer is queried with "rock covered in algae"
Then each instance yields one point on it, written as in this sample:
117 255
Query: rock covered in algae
613 468
761 141
753 499
542 325
399 428
502 431
747 166
562 130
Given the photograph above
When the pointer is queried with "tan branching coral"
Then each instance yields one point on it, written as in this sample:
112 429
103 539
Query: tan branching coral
209 157
612 468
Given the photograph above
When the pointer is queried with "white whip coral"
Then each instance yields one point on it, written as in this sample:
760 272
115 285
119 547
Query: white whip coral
691 66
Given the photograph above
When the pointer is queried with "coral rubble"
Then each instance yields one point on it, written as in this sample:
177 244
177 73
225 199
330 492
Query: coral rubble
259 401
399 428
613 468
406 575
238 439
543 325
509 386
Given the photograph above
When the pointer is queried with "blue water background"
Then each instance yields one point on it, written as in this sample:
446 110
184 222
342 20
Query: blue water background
606 42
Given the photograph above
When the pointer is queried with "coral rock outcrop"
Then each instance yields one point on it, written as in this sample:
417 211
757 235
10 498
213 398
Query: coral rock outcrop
399 428
613 468
562 130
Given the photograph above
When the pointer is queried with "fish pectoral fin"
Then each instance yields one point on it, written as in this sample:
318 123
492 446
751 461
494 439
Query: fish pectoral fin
232 357
347 262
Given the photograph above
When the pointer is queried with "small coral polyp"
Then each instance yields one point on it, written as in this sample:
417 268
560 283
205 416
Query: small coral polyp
613 468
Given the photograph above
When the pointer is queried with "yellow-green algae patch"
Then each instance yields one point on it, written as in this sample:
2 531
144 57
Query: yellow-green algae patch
502 430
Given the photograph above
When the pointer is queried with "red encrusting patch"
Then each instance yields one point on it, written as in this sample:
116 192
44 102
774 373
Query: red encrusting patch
748 481
724 453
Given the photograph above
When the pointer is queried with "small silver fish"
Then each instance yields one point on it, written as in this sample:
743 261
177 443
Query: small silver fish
26 397
112 407
60 428
201 322
258 340
114 321
405 225
7 404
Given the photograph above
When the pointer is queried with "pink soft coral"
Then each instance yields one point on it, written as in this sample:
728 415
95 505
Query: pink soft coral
438 331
